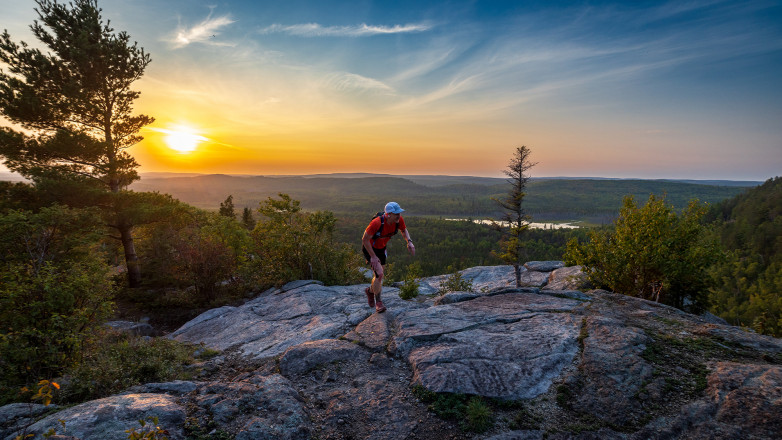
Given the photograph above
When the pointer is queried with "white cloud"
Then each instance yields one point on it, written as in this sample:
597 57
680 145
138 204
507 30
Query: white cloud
205 32
352 81
362 30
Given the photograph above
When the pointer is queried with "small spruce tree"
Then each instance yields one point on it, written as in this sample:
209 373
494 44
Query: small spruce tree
515 221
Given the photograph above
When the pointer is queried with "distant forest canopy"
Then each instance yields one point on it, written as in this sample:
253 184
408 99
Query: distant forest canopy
749 290
595 201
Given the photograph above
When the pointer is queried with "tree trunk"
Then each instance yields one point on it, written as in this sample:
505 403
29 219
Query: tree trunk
131 259
517 269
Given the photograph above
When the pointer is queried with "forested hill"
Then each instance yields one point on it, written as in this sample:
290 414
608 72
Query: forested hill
750 289
547 199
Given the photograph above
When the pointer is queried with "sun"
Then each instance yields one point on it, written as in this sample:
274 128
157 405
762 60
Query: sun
181 138
183 142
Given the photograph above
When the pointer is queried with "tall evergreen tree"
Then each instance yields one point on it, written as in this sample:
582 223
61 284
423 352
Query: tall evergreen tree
515 221
247 218
74 107
227 207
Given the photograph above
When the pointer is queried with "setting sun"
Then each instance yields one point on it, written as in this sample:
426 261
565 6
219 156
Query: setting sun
181 138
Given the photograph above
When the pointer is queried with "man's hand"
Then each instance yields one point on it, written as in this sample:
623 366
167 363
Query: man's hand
411 248
376 266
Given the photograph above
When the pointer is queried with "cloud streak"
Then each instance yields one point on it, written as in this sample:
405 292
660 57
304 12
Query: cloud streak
345 82
362 30
204 32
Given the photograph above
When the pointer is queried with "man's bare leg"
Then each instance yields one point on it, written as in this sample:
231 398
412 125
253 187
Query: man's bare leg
377 286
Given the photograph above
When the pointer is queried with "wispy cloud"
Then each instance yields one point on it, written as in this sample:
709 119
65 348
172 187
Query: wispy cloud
362 30
353 82
205 32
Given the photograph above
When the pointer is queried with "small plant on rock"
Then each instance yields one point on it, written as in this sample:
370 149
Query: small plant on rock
455 283
478 416
151 432
409 288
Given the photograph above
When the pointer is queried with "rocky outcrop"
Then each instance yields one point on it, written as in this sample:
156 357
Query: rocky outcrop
109 418
311 361
486 346
567 278
741 401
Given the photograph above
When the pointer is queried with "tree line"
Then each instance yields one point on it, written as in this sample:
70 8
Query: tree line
593 201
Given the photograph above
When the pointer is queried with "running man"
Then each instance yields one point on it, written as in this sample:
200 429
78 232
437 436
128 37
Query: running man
376 236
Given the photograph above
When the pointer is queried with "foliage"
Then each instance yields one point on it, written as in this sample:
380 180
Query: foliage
409 288
651 253
192 247
151 432
455 283
74 105
289 244
209 253
117 361
478 417
247 219
749 281
45 394
473 411
515 221
525 419
227 207
55 289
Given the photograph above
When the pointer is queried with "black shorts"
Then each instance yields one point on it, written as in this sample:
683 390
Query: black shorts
381 254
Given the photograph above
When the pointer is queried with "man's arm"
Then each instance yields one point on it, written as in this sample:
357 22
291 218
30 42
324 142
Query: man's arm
406 236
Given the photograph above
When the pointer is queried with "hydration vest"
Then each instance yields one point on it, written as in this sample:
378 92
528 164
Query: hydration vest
379 232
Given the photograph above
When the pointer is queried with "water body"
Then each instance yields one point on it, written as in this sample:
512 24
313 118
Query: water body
532 225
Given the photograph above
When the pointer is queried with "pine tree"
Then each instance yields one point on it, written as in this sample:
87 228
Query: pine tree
247 219
515 221
227 207
74 106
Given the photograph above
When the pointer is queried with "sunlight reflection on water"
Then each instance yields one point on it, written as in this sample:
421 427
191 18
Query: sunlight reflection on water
532 225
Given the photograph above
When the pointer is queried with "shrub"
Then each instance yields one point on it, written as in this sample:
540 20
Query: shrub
151 432
195 248
409 289
455 283
289 244
118 361
55 289
651 253
478 416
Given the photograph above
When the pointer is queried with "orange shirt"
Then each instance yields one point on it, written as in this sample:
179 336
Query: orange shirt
388 229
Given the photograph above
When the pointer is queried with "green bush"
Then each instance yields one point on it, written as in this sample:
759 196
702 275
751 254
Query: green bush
118 361
55 289
473 411
192 247
409 288
477 415
289 244
455 283
651 253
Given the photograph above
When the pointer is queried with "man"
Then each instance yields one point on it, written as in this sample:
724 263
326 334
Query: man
376 236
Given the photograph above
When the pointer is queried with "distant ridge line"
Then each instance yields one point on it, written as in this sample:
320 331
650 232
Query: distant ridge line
419 178
435 177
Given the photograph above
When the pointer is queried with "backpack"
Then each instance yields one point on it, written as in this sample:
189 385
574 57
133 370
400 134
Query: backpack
382 223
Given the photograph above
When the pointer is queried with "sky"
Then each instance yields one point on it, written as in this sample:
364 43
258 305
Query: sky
685 89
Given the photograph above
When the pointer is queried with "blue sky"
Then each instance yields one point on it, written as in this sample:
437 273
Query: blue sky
681 89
